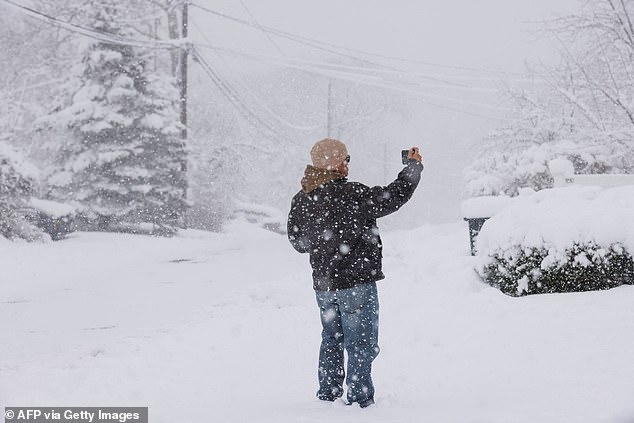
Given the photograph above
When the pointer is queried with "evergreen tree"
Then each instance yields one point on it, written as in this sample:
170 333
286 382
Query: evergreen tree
124 161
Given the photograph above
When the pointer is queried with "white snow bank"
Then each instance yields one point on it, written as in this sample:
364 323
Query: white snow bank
558 218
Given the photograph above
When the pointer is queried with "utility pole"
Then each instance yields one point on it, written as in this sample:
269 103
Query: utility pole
183 74
182 79
157 21
329 112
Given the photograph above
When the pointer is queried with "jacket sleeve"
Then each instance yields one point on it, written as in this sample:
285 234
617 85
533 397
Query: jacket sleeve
294 227
381 201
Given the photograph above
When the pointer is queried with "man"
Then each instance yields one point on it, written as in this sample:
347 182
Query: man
335 221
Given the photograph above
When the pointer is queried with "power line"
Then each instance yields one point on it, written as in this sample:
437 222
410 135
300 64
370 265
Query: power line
325 45
230 94
257 24
363 79
90 32
378 85
266 107
174 44
378 68
112 38
421 96
226 89
296 38
362 71
349 70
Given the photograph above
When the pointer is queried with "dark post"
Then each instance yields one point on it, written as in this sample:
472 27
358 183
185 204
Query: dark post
475 224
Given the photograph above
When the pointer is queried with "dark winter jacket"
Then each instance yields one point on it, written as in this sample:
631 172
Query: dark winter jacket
336 223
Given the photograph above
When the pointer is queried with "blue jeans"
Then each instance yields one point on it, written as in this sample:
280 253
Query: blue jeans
350 320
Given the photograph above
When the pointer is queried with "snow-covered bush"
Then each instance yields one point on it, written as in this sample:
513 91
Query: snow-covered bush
589 267
560 240
15 190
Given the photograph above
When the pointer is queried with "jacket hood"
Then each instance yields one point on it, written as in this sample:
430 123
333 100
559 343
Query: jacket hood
315 177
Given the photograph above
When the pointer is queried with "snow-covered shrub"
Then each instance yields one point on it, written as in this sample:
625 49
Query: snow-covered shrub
560 240
589 267
15 190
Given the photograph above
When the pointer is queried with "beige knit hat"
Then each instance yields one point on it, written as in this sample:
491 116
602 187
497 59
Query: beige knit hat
328 153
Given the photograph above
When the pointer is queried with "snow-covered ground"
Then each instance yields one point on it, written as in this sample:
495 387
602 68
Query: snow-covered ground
224 328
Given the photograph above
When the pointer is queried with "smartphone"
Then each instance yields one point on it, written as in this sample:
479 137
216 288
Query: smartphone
404 158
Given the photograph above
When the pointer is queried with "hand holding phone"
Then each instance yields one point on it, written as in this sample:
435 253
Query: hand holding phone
411 154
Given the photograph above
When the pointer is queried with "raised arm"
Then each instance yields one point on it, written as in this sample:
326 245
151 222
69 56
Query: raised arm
381 201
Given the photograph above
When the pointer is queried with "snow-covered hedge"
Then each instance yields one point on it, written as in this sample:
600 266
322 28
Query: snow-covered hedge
560 240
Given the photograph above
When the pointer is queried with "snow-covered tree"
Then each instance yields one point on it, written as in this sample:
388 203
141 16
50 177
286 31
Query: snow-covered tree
516 155
598 50
585 114
32 58
124 160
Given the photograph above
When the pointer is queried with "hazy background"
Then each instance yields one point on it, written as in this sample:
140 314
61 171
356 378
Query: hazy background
482 45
